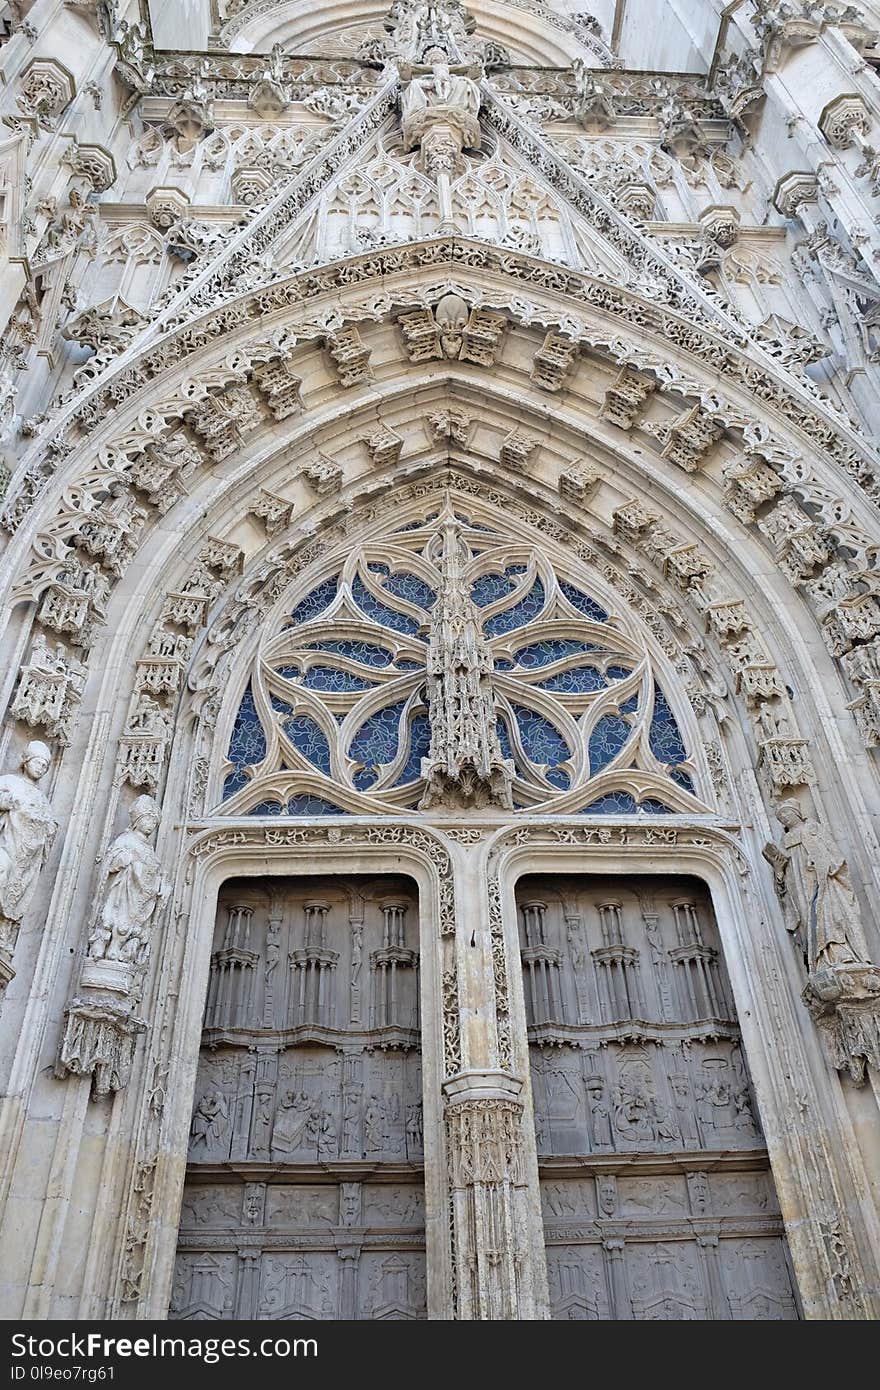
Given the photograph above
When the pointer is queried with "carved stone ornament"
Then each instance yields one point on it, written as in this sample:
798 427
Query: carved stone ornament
821 911
440 100
27 829
50 688
101 1021
465 766
843 117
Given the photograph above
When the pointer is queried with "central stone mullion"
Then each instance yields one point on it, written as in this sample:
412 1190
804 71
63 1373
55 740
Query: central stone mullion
497 1269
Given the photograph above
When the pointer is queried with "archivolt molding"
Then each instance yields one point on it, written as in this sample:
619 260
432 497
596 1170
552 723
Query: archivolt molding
214 412
534 33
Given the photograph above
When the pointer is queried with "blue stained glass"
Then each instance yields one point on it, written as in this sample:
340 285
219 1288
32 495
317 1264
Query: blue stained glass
517 569
521 613
406 665
611 804
364 652
503 665
279 705
665 739
375 742
379 612
583 603
337 682
541 741
554 649
618 673
247 744
631 705
622 804
419 747
315 602
305 804
311 740
412 589
682 779
579 681
558 778
474 525
606 741
415 525
376 568
490 587
504 738
290 673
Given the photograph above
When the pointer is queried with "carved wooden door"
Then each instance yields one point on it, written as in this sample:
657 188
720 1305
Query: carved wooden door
304 1192
657 1194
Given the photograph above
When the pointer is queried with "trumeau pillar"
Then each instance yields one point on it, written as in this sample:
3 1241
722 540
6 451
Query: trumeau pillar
498 1262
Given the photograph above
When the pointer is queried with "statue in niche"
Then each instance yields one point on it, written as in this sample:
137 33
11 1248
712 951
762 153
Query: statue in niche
134 885
327 1141
27 829
414 1125
209 1120
351 1122
600 1115
814 885
440 96
684 1108
374 1125
291 1119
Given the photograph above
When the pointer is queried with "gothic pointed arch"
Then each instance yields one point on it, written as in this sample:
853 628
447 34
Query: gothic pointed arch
441 629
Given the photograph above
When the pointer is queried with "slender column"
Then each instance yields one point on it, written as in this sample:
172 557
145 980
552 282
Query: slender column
618 1286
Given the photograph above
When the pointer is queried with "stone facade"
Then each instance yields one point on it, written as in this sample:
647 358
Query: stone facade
440 661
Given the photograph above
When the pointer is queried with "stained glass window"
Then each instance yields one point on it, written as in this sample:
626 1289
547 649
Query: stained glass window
351 695
247 745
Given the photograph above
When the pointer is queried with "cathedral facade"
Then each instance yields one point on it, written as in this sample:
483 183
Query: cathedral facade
440 561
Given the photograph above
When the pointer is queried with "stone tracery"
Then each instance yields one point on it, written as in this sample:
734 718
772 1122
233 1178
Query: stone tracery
559 698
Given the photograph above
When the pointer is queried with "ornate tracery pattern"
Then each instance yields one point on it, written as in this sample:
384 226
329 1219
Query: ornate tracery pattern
336 716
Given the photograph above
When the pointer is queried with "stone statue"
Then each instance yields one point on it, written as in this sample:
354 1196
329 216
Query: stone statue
813 881
134 885
440 97
593 106
27 829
